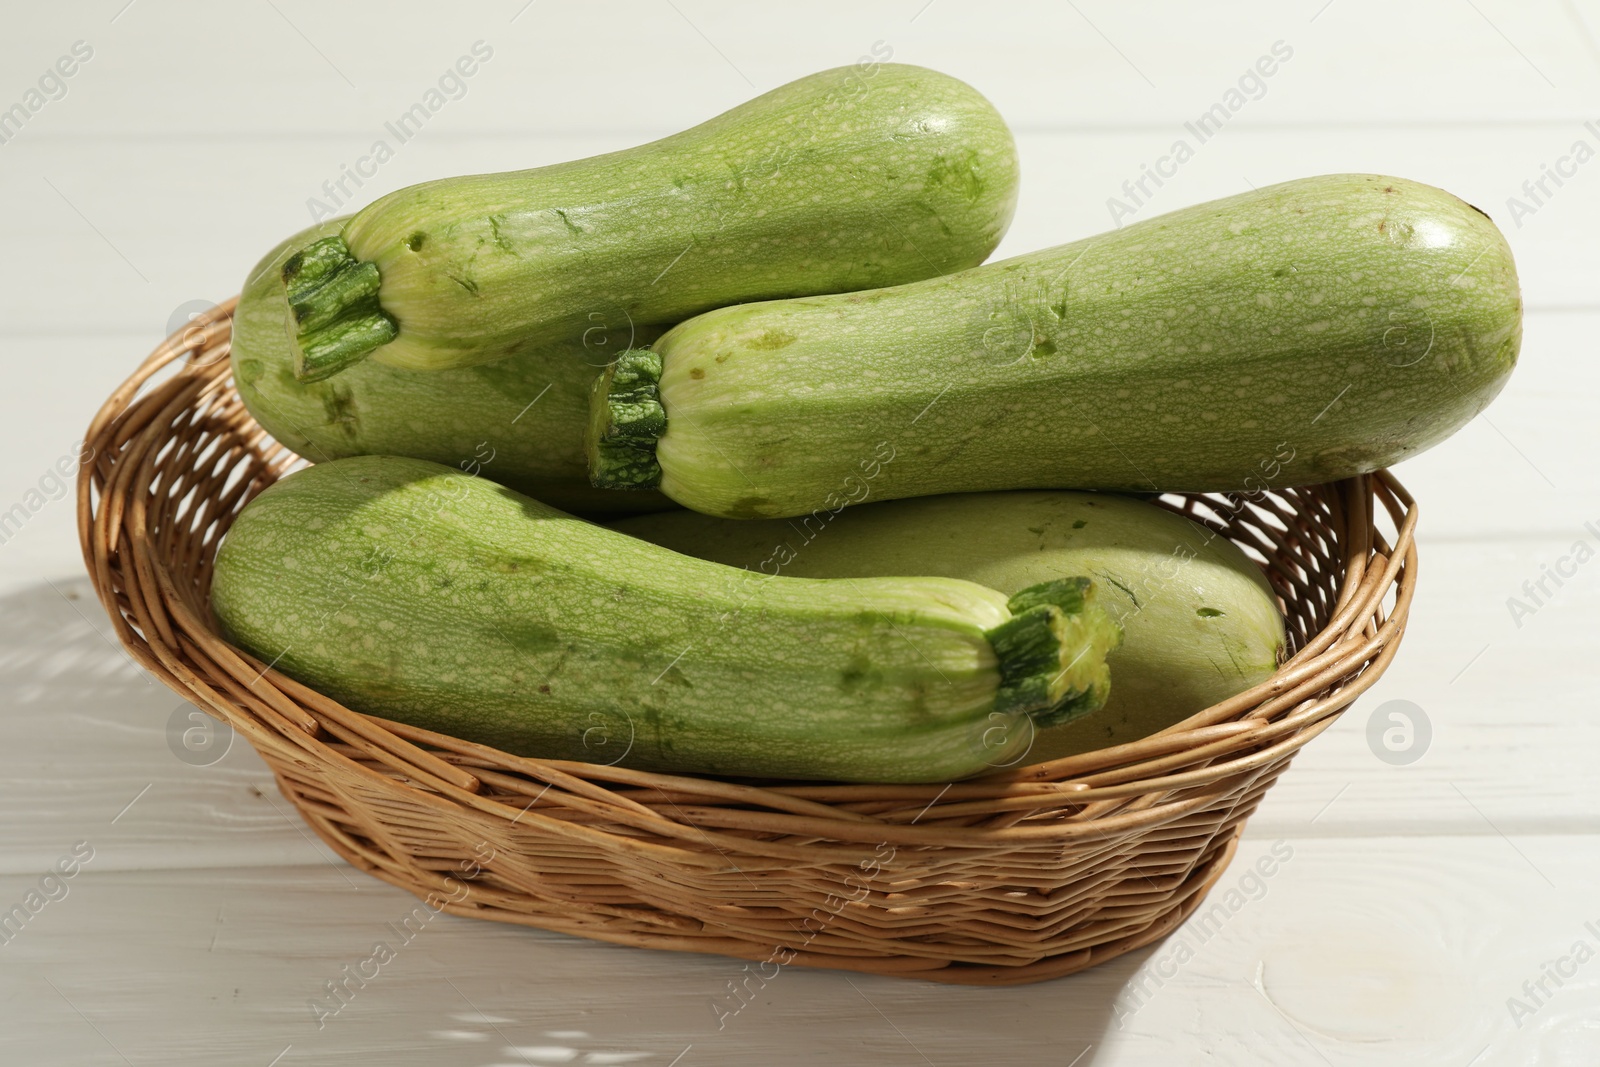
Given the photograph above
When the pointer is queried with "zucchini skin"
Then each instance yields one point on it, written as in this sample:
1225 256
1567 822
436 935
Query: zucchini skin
1200 623
418 592
476 418
1301 333
851 178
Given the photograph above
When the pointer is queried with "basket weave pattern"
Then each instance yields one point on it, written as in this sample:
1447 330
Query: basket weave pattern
1026 874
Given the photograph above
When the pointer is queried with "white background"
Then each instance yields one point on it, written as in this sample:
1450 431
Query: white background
1418 898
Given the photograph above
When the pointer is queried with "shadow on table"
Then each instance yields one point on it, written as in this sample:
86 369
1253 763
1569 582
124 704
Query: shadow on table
57 648
95 744
70 687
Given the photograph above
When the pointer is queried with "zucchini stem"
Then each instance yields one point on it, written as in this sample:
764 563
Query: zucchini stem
1052 652
626 420
338 320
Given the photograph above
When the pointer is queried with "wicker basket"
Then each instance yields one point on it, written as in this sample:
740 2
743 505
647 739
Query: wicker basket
1016 877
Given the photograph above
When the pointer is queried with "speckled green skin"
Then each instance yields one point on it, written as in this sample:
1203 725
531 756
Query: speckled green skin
1306 332
416 592
848 179
1200 623
478 418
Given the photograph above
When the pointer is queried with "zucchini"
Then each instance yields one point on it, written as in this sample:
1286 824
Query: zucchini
1200 622
520 421
418 592
1302 333
852 178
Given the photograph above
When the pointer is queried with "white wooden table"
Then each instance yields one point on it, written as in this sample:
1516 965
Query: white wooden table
1416 901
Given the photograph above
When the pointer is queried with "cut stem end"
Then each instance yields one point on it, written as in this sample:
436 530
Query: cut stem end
626 420
336 319
1052 652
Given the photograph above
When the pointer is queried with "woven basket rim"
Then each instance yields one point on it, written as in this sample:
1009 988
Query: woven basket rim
152 582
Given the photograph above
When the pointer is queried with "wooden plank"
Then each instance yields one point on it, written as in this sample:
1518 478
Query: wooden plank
1095 63
1532 446
1522 445
205 182
1510 709
1342 949
190 216
88 732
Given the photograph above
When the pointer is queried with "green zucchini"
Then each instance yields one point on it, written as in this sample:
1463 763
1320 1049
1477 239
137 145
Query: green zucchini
1301 333
1200 623
852 178
520 421
418 592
